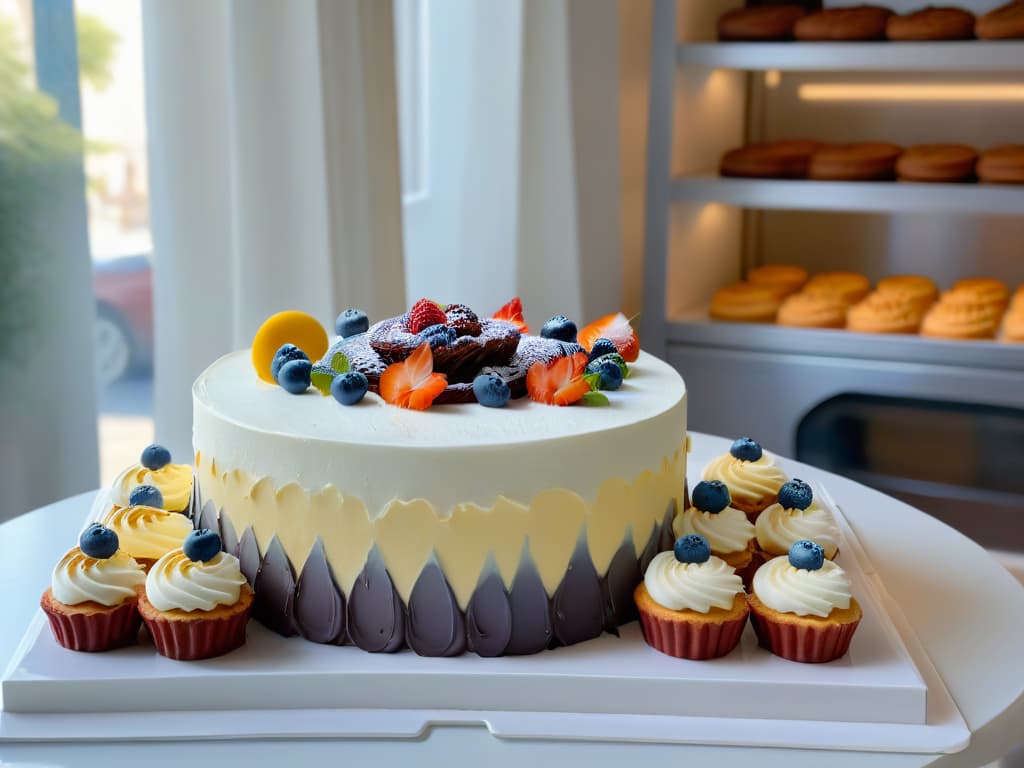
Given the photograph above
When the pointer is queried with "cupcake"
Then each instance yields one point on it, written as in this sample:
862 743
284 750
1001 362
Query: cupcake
727 530
173 482
692 604
92 601
197 602
750 473
796 516
148 533
801 606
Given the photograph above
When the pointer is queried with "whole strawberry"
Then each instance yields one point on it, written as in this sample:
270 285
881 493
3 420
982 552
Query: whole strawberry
463 320
425 313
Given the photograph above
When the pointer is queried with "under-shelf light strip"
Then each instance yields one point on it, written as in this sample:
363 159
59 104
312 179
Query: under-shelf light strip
910 92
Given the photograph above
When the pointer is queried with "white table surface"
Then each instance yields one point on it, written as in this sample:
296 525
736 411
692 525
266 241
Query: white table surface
966 609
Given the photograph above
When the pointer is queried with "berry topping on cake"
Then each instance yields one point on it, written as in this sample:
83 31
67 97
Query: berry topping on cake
711 496
439 335
201 545
610 374
806 555
559 382
285 354
491 390
412 383
559 327
463 320
289 327
617 330
349 388
602 347
98 541
146 496
294 376
155 457
594 366
425 313
692 548
746 449
512 312
351 322
796 494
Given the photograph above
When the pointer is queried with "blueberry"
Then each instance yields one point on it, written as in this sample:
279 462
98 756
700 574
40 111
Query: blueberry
693 548
146 496
796 494
439 335
352 322
611 374
711 496
155 457
294 376
201 545
559 327
594 366
98 541
349 388
746 449
491 390
806 555
602 347
285 354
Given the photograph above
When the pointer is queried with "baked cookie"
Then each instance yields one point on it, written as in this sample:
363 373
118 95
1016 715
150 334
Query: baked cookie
862 22
848 287
932 24
880 312
960 316
1013 326
766 22
984 290
863 161
772 160
1002 165
813 310
937 163
785 278
1017 302
1003 23
916 289
746 303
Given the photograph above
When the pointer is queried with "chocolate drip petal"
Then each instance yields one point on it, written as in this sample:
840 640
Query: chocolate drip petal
375 615
319 605
531 610
489 617
578 606
434 624
275 590
249 556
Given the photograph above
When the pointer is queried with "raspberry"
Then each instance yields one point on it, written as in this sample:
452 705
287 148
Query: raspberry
425 313
463 319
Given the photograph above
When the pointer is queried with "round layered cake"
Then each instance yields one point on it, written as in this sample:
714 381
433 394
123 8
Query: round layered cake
497 530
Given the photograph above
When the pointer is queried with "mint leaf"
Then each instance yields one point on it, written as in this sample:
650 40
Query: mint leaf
595 398
339 363
594 380
322 380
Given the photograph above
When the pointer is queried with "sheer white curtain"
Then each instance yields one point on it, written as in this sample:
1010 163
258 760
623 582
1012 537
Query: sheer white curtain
274 176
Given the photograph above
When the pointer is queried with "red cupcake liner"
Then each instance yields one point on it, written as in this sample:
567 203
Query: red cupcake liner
97 631
199 638
806 643
692 640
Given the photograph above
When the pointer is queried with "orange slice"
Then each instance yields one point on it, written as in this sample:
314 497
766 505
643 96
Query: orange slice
290 327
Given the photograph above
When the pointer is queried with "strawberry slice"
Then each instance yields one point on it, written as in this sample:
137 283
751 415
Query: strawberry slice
512 312
412 383
559 382
616 328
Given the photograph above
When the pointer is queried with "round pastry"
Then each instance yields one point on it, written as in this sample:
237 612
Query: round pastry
746 303
1017 302
92 601
848 287
1003 23
155 469
728 531
147 533
197 602
751 475
771 160
862 161
796 516
785 278
915 289
885 312
960 316
931 24
1013 326
862 22
765 22
691 604
1002 165
813 310
937 163
801 606
985 290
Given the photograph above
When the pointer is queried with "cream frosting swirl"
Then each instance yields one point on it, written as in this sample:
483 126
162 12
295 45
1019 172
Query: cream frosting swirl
692 586
778 529
748 481
147 531
177 583
726 531
110 581
786 589
173 480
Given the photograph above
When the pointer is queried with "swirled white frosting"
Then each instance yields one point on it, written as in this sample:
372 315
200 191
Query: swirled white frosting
778 529
748 481
147 531
173 480
726 531
691 586
177 583
786 589
79 578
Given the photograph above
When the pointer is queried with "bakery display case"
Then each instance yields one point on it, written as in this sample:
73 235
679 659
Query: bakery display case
925 419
